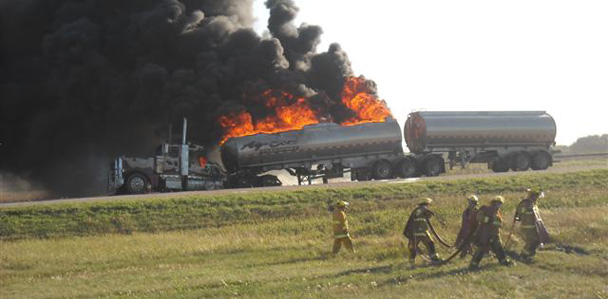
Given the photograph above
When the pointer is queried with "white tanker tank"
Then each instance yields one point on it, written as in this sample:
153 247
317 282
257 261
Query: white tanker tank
515 140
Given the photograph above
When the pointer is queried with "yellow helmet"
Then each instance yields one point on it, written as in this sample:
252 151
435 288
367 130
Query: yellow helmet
499 199
342 204
473 198
425 201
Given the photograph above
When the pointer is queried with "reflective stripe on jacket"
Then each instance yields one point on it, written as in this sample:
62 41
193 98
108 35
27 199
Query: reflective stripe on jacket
526 213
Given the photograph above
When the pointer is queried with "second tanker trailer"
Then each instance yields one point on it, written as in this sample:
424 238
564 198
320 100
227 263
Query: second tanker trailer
516 140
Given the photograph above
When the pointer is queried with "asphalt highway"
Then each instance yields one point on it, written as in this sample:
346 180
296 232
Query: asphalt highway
337 184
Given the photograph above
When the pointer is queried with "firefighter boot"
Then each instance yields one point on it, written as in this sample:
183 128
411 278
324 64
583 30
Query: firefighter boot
434 256
474 266
507 262
526 259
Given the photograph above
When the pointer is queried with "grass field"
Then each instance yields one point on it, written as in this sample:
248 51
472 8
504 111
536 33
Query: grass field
278 244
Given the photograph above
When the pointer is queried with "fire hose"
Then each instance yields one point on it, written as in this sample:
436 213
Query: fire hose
440 240
462 246
419 252
444 243
510 234
466 241
428 260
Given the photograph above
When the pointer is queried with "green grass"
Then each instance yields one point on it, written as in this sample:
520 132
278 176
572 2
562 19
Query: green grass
155 215
277 245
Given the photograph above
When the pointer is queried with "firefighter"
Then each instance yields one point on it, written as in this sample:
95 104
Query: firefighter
341 233
487 235
531 225
417 231
469 224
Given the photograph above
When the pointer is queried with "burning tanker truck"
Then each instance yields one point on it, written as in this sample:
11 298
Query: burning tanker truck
517 140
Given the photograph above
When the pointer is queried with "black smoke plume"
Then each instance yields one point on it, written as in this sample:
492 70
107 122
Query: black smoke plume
82 81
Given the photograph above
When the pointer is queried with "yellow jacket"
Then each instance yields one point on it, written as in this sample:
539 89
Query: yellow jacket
340 224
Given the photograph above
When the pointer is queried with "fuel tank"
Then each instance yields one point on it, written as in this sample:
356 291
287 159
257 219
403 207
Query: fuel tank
429 130
319 142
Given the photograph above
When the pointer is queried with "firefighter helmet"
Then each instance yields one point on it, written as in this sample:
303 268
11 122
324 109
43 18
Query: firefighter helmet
342 204
473 198
426 201
499 199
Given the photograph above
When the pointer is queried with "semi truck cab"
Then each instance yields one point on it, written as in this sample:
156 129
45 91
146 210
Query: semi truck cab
175 167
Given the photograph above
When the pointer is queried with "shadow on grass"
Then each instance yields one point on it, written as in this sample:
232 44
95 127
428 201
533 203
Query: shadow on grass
294 261
568 249
372 270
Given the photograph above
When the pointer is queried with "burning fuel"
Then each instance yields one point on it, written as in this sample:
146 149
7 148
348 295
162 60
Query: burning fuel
293 113
358 97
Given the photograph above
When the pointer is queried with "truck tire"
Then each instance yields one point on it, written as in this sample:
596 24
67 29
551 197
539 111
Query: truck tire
521 162
269 181
406 168
501 165
382 170
541 161
432 166
362 174
244 182
137 183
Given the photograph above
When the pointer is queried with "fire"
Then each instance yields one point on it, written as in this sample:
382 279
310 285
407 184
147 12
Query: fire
202 161
293 113
367 107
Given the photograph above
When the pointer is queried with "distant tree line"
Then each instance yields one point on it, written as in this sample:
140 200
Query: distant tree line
589 144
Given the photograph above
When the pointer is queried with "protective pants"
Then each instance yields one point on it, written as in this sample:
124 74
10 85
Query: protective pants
466 249
428 243
496 246
347 241
532 241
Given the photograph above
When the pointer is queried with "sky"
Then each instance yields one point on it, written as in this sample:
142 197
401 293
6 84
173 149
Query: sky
475 55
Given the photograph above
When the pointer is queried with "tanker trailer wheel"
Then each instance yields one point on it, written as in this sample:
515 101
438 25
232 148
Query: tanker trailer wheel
521 162
541 161
406 168
382 170
501 165
432 166
137 183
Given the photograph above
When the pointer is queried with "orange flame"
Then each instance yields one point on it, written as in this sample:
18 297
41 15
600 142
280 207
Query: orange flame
293 113
367 107
202 161
288 116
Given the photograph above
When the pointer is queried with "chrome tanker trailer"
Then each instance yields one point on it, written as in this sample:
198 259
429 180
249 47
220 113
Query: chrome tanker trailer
516 140
325 150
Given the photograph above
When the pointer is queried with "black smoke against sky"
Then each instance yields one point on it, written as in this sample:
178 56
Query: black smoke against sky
83 81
